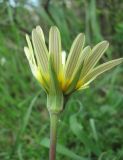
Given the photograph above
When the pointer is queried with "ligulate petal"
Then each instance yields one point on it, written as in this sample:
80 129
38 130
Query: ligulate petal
78 69
40 32
74 81
36 70
73 56
94 57
100 69
55 49
87 56
30 59
83 87
41 51
30 52
86 51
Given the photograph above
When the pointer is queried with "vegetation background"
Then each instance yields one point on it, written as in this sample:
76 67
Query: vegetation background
91 127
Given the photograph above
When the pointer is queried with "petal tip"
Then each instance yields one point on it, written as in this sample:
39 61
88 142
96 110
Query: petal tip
27 37
105 42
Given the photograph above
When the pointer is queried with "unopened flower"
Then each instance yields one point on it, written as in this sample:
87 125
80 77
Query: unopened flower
58 75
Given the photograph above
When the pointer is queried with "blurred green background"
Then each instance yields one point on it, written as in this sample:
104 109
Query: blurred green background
91 126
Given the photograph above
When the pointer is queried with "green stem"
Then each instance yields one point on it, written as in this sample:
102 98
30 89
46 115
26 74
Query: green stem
53 136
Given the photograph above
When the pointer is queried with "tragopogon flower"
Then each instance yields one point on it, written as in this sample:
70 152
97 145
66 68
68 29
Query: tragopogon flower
58 75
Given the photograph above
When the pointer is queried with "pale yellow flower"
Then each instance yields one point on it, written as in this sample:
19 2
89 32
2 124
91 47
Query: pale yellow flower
58 74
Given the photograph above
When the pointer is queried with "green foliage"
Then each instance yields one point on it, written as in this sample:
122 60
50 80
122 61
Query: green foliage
91 126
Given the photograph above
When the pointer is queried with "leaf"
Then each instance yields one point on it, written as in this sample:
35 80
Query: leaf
94 21
25 122
62 150
75 126
60 19
93 127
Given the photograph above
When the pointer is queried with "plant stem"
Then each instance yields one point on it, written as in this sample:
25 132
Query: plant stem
53 136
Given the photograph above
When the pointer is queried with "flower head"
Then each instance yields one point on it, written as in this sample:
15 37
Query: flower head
59 75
